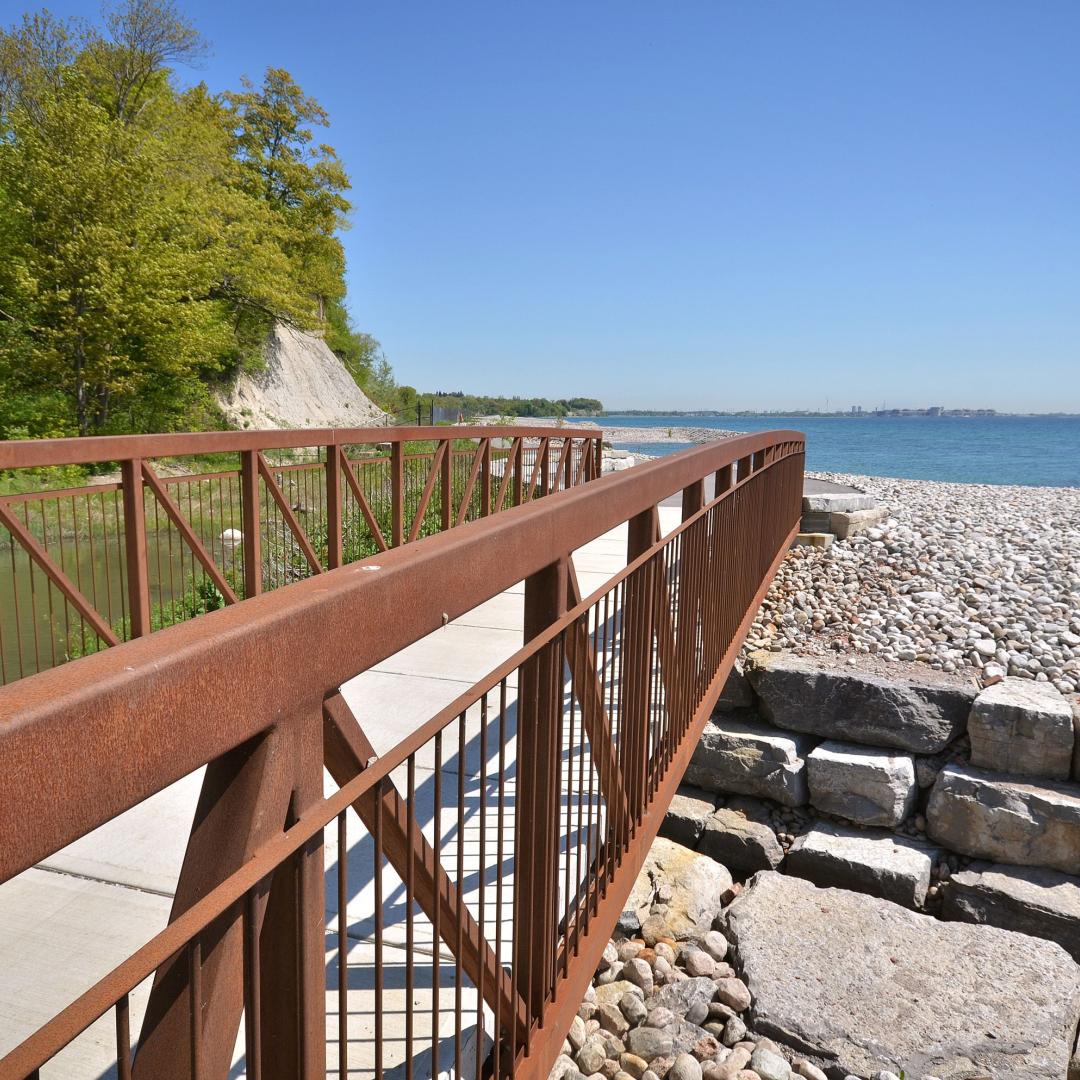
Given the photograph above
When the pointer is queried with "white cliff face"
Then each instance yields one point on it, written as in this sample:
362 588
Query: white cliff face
304 385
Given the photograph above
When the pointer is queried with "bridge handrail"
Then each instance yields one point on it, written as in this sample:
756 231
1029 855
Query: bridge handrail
81 743
97 564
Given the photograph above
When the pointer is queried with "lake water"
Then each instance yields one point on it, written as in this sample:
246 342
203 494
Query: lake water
1033 450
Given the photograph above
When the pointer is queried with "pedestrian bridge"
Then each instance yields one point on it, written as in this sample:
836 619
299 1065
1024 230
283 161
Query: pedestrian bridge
368 818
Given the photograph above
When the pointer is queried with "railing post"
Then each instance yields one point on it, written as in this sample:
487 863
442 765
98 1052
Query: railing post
744 468
537 836
598 459
446 487
693 498
249 508
722 480
485 480
135 547
397 494
334 550
643 530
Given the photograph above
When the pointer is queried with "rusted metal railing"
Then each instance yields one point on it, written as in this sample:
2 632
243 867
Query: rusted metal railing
480 864
83 568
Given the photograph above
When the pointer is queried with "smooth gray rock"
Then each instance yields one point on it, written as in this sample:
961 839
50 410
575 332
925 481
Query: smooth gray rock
1031 900
751 758
990 816
920 710
680 997
1022 726
686 815
867 786
743 846
877 863
866 985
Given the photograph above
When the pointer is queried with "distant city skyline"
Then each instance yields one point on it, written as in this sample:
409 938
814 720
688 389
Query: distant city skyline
708 202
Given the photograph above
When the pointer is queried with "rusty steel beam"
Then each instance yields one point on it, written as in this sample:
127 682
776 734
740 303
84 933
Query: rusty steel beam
81 743
88 450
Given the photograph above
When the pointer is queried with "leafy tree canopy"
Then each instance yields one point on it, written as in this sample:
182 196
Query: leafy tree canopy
149 234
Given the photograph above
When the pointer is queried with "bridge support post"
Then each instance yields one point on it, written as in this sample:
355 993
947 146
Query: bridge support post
537 826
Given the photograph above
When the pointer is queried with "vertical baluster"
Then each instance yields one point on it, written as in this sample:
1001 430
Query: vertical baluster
123 1039
343 946
252 996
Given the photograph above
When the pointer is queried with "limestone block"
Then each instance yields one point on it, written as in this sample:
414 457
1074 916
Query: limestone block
686 815
743 846
867 786
919 710
751 758
850 523
1028 899
991 816
1022 726
868 861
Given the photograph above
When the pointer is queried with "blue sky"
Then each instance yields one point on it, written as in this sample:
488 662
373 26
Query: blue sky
717 204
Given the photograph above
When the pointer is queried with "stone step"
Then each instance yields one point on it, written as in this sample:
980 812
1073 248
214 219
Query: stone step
863 785
875 862
917 709
1042 903
1006 818
862 985
751 758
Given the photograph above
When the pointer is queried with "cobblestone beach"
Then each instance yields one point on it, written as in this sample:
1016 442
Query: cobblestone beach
960 576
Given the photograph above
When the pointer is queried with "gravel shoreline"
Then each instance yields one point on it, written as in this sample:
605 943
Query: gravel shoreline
961 577
647 436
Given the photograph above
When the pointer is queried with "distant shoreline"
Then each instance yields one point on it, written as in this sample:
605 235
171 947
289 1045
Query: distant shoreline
901 414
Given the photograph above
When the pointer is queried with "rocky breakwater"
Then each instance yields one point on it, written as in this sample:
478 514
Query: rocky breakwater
959 577
708 981
923 789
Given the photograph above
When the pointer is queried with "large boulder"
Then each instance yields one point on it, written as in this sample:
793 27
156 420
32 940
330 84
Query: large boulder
1022 726
750 758
1043 903
863 985
1006 819
867 786
681 885
919 710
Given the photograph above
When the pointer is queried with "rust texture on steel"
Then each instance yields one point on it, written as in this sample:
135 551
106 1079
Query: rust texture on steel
83 568
601 708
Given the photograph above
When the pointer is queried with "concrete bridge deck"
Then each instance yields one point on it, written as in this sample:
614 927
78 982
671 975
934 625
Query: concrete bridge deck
66 923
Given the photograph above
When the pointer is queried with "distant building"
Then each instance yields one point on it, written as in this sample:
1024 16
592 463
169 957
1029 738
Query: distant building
856 410
935 410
